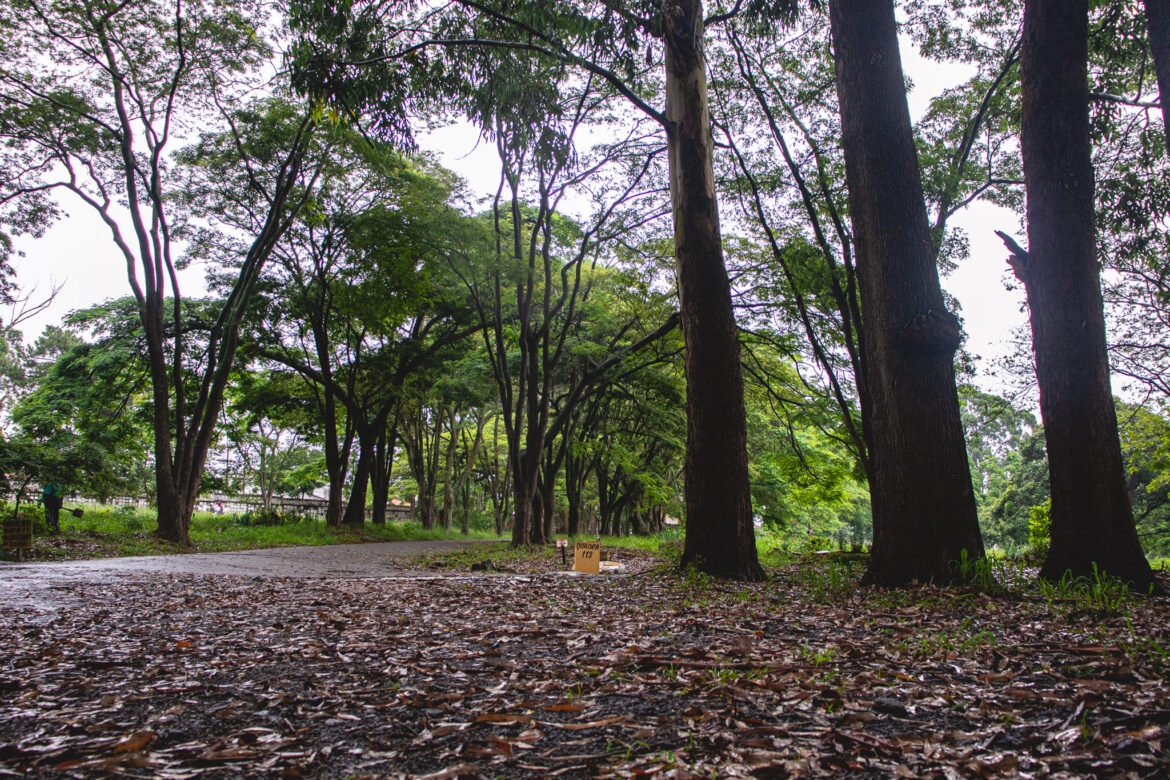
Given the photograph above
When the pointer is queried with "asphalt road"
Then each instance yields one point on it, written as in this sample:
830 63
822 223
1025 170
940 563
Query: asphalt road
52 585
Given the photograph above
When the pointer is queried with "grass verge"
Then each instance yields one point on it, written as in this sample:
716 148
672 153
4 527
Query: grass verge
112 533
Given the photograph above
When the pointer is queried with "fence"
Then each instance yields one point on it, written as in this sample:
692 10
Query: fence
314 508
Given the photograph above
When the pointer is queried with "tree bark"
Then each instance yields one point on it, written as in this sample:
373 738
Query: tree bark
447 513
471 457
720 539
1158 21
382 471
355 508
920 485
1092 522
575 475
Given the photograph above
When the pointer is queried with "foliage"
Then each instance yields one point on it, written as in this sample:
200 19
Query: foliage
1040 529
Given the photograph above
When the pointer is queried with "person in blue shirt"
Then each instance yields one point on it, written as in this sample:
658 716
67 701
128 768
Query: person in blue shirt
53 497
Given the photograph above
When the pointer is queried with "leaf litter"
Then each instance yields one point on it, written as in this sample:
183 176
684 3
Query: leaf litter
527 675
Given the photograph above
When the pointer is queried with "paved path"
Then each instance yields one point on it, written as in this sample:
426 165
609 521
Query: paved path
45 584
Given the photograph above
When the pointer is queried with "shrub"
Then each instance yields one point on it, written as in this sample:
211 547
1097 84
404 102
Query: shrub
815 544
1040 529
268 517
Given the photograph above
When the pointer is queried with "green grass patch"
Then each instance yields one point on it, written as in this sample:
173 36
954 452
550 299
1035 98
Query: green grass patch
126 531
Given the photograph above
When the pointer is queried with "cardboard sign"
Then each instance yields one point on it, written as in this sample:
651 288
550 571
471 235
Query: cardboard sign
562 542
17 533
587 557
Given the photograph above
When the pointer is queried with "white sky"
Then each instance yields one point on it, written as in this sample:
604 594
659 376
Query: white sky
78 253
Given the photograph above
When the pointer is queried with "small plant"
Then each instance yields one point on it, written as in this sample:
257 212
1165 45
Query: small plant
977 572
832 583
814 657
725 676
1101 593
1105 593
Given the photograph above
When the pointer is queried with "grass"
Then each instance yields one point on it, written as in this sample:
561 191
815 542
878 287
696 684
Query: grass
110 533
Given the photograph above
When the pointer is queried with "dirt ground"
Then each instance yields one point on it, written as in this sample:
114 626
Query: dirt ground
238 669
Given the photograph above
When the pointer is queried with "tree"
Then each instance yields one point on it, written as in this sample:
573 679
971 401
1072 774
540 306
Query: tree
1158 20
924 515
18 361
1145 445
1005 447
267 421
89 402
720 537
91 95
601 41
361 301
1092 522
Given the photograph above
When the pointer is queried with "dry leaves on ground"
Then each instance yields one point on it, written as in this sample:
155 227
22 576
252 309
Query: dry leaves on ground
547 675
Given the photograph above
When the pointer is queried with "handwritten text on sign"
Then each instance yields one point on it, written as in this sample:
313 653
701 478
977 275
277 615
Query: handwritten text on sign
17 533
587 557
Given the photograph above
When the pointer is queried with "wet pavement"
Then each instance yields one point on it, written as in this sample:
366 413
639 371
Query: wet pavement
52 585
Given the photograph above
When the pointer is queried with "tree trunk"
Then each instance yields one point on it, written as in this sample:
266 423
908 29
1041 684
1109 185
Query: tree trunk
1092 522
462 484
920 485
720 539
575 475
465 518
552 460
538 525
336 467
382 471
172 526
525 528
1158 21
448 510
355 509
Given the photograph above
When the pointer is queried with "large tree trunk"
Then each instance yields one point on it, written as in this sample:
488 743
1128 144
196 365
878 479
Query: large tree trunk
720 539
920 486
172 526
173 521
1158 21
1092 522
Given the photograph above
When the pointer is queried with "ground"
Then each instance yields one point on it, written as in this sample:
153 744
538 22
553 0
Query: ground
441 672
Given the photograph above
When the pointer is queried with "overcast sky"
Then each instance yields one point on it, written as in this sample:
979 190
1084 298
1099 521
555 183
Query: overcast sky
78 254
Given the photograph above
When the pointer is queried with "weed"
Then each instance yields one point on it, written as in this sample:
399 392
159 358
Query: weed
832 582
1100 594
977 572
817 657
725 676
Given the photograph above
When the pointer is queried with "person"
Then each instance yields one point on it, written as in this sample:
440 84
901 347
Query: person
53 497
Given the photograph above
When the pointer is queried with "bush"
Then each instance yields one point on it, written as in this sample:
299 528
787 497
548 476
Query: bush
815 544
1040 529
268 517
